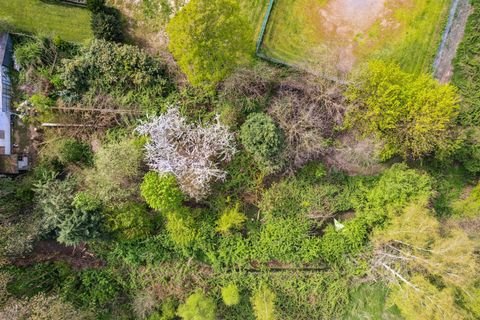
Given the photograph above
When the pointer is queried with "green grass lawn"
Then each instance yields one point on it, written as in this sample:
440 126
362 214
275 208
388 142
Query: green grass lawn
333 37
254 10
34 16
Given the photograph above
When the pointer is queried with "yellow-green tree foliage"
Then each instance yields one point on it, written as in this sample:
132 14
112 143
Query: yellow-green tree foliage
181 227
263 302
433 270
209 38
425 301
230 295
412 115
230 219
197 307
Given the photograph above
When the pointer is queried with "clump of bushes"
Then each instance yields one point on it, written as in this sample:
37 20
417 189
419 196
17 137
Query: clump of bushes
131 221
230 295
263 302
122 71
414 116
197 307
74 151
231 219
207 57
263 139
106 21
396 188
161 192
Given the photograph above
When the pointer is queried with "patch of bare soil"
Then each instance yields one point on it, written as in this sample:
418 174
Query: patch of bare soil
443 67
344 19
49 250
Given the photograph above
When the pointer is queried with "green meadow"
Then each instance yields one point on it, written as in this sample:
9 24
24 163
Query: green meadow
47 19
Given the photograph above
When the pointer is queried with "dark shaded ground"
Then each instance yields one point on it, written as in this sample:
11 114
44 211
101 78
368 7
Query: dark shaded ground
49 250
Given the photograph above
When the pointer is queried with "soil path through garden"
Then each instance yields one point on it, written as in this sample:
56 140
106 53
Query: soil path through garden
49 250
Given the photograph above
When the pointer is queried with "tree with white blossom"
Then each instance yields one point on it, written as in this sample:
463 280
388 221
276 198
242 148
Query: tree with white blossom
192 153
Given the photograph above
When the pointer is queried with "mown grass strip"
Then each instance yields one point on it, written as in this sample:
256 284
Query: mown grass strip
70 23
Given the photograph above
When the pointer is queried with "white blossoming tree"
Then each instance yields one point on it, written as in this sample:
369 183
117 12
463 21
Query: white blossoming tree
192 153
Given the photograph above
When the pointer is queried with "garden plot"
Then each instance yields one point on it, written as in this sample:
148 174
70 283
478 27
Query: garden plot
332 37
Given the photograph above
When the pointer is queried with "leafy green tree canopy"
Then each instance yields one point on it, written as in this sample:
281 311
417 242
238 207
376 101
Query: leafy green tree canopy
161 191
263 302
412 115
209 38
230 219
197 307
263 139
131 221
230 295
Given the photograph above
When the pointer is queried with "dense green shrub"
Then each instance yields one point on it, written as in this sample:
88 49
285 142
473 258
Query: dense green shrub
29 54
263 302
231 219
297 198
91 288
131 221
396 188
466 75
74 151
286 240
197 307
161 192
263 139
209 38
124 71
388 100
53 200
181 227
230 295
148 251
469 153
83 222
95 5
469 206
41 102
234 251
107 25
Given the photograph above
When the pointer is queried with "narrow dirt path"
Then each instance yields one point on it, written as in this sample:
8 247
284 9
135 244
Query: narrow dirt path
453 35
49 250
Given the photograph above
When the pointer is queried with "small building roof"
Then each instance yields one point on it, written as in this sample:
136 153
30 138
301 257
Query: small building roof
5 94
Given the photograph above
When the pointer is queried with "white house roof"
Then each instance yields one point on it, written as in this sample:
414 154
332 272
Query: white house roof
5 95
5 50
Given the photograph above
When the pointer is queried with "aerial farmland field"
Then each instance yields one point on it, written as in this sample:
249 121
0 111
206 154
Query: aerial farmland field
332 37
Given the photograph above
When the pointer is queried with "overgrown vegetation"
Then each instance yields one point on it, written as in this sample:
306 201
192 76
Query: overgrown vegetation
252 192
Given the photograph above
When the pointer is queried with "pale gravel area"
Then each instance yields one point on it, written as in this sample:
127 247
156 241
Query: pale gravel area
443 65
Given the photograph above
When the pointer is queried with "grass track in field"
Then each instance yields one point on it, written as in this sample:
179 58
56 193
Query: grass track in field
37 17
407 32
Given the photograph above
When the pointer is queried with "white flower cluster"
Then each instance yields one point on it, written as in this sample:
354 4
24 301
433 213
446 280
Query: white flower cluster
191 152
